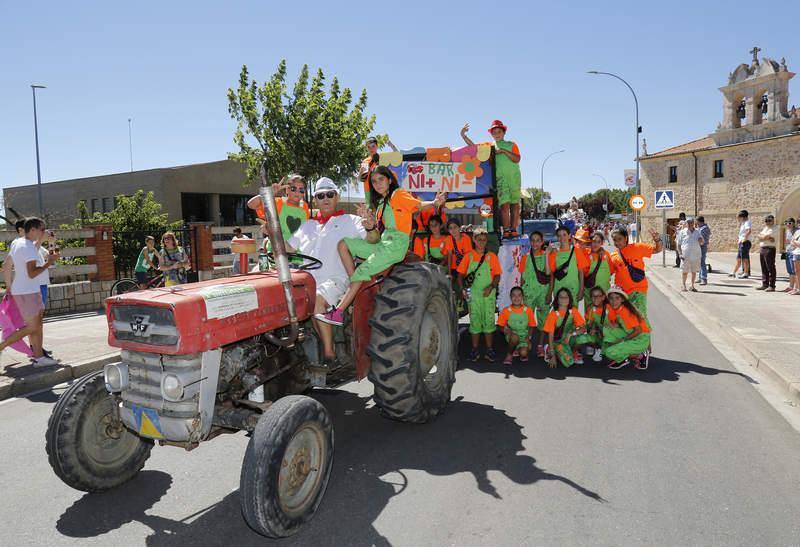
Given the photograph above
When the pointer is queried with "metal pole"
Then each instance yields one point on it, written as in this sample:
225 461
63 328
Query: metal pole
664 238
541 198
36 137
636 104
130 143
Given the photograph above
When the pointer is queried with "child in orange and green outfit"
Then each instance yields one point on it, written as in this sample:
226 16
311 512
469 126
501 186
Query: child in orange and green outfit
563 325
518 324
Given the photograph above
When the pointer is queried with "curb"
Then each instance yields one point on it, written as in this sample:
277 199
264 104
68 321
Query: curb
791 388
14 387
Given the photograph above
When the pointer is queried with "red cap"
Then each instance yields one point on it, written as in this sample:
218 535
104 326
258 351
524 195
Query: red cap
498 123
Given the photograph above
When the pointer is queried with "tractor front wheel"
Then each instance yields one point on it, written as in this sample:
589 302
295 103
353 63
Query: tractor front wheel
414 343
286 466
87 445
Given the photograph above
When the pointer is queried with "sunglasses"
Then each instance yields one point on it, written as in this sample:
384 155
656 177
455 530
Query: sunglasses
297 188
325 195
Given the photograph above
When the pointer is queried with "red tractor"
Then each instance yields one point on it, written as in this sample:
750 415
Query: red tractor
240 353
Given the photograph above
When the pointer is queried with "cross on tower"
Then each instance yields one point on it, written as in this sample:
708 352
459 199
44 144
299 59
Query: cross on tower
755 51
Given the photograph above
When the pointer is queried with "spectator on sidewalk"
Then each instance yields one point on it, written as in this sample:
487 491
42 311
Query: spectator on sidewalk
796 256
145 261
766 243
26 291
689 243
677 230
237 235
173 260
745 242
788 255
705 233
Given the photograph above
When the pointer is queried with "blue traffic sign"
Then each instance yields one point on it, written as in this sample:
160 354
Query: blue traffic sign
665 199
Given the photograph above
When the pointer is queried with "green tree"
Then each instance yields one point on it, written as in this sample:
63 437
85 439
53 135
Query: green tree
532 203
132 218
312 131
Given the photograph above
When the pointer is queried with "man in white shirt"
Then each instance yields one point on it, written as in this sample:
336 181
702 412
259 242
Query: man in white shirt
767 252
25 288
689 243
745 242
319 237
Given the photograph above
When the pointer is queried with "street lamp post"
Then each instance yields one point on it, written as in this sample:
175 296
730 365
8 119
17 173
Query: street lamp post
34 87
638 131
606 183
541 198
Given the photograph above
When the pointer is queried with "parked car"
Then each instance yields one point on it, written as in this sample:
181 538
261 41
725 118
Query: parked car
547 226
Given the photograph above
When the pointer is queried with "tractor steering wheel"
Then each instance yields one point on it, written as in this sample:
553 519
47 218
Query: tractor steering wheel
309 262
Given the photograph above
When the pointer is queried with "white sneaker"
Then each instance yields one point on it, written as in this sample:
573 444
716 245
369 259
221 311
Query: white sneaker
45 361
598 356
589 350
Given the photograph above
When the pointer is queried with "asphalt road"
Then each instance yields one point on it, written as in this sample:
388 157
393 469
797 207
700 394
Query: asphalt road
686 453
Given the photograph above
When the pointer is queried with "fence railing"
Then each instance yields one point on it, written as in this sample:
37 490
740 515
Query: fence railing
221 243
64 271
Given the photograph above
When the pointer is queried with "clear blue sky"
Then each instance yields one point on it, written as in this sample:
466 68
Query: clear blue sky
428 67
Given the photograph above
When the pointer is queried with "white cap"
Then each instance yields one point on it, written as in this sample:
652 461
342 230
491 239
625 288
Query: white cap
325 183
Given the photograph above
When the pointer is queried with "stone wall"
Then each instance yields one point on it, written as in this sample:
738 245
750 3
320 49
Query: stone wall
758 176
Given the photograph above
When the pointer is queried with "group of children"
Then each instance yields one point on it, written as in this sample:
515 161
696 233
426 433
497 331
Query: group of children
553 282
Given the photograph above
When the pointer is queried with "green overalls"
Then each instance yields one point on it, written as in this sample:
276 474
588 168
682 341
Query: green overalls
594 327
509 177
602 278
563 351
380 256
535 293
571 280
518 323
618 351
481 308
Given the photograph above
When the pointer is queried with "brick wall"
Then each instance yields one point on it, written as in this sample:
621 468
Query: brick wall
104 252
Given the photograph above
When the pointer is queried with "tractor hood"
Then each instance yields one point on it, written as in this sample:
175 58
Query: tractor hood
197 317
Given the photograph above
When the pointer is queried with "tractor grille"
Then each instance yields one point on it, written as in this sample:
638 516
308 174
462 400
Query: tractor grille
144 324
145 371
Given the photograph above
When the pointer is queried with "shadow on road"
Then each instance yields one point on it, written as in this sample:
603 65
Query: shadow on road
660 370
372 456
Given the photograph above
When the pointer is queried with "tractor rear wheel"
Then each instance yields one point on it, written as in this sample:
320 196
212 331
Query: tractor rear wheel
414 342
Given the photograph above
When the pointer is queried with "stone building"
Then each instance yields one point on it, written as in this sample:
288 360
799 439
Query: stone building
213 192
751 161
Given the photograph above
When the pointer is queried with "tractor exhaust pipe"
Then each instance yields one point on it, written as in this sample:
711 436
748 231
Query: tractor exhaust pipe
281 260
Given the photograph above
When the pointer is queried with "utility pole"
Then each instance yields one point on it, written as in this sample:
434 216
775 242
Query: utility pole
34 87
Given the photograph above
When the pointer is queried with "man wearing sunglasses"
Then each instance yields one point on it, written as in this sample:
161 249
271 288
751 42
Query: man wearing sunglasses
292 208
319 238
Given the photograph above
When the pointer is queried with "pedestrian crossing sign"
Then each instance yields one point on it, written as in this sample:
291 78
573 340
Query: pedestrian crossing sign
665 199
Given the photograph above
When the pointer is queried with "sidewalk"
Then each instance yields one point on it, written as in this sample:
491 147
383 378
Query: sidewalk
78 340
763 327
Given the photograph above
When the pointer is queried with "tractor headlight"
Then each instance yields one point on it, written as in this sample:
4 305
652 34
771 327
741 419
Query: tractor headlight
116 377
171 387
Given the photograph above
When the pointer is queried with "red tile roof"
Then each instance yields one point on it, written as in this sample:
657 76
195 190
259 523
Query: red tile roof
691 146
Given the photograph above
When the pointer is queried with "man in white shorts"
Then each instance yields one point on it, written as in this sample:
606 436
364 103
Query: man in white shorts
690 242
319 237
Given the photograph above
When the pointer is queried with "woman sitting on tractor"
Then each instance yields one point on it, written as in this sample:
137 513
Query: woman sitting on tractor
388 223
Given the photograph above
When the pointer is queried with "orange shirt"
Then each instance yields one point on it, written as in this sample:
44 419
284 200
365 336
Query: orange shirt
594 311
424 216
464 246
628 318
475 256
554 318
403 205
634 253
443 243
502 319
279 203
370 166
604 255
580 256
